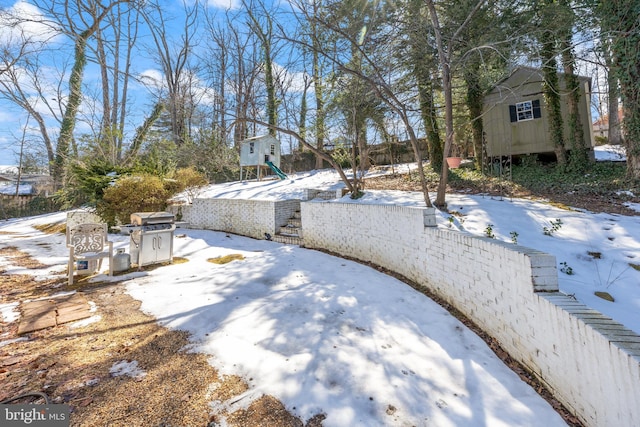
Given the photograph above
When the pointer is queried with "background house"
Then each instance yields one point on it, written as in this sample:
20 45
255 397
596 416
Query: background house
31 187
515 117
601 125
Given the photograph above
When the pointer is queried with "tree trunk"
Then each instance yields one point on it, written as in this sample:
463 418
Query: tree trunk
445 63
625 40
429 116
445 59
143 130
318 87
474 104
579 159
614 134
551 90
265 37
65 138
73 103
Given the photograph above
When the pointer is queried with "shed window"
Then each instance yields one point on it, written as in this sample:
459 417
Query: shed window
523 111
273 150
251 147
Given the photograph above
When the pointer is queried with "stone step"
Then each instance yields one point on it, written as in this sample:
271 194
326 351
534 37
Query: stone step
294 222
288 240
290 230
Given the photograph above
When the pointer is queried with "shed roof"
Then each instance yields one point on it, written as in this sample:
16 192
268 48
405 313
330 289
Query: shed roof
533 73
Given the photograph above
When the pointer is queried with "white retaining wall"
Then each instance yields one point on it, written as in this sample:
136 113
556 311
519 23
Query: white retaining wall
591 363
250 218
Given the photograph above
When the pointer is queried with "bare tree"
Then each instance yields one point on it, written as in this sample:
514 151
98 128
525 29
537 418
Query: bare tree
79 20
377 72
621 27
216 66
114 51
446 50
262 27
173 57
22 84
614 134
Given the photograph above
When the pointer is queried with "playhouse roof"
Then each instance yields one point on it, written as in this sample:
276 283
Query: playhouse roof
260 137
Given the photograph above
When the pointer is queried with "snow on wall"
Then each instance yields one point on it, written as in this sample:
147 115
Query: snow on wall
591 363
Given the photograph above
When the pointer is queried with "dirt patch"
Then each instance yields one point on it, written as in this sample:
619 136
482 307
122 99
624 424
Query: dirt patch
21 258
74 364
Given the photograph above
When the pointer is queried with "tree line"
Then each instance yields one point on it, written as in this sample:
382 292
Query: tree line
316 73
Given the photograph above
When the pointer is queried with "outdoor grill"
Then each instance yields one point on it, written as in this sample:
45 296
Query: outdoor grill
151 237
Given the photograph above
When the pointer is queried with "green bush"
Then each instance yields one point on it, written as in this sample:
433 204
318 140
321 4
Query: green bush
144 192
189 180
86 182
133 193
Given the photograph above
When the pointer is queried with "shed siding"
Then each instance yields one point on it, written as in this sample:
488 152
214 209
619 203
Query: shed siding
504 137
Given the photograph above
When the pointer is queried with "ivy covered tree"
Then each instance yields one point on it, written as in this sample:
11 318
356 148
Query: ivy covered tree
622 27
89 17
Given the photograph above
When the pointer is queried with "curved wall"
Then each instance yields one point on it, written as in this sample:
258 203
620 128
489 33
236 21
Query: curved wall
590 362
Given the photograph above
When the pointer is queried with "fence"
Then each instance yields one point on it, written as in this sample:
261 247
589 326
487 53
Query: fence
21 206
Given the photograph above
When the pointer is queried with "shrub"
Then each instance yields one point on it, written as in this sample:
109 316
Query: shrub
190 181
134 193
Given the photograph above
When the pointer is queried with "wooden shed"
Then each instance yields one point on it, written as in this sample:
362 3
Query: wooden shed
515 117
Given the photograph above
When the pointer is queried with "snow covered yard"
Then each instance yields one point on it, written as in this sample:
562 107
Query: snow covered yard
321 334
333 337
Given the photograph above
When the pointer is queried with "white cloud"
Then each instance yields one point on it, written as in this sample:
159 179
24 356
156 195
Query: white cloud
224 4
152 78
24 22
292 81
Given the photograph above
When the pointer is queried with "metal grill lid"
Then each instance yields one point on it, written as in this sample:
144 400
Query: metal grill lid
148 218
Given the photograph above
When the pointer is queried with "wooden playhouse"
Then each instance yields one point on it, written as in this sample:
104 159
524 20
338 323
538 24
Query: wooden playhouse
261 153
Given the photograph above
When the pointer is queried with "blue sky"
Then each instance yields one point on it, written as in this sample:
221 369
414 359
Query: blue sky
13 119
58 54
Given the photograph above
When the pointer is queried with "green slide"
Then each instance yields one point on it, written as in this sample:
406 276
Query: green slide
277 170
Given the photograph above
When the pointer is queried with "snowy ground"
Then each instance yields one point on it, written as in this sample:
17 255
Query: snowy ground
327 335
321 334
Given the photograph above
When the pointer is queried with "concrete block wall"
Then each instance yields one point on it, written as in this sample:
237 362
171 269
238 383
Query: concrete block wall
591 363
82 217
312 193
283 210
250 218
